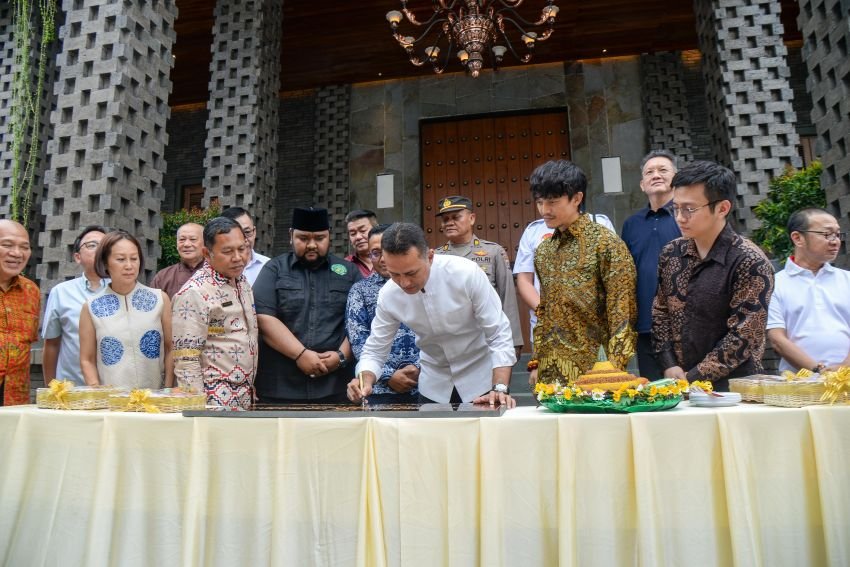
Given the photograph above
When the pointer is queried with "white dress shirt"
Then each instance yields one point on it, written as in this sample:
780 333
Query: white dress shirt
62 319
814 310
252 270
461 330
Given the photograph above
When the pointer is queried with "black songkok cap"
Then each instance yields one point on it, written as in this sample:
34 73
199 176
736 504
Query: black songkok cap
311 219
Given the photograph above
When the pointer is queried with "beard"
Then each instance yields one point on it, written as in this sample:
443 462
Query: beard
312 264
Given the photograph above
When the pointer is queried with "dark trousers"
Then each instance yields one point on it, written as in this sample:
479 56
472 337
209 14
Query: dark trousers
405 398
649 368
455 399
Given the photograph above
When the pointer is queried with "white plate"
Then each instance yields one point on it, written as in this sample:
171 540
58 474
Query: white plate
727 399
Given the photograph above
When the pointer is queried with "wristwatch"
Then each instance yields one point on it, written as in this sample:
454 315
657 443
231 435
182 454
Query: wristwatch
818 367
342 361
501 388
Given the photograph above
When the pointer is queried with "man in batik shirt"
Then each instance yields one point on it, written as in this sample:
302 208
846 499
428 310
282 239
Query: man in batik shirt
399 379
214 323
587 281
20 303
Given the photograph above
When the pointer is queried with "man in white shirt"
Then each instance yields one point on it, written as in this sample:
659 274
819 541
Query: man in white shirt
61 323
464 337
527 284
808 320
256 261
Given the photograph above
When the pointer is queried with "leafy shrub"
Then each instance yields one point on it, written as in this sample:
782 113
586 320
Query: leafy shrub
168 233
790 192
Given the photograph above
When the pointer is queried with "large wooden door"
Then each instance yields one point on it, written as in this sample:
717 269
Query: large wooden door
489 160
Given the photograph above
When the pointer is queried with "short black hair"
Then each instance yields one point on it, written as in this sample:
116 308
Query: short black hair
557 178
234 213
104 249
800 220
659 153
361 214
216 226
379 229
719 182
401 237
90 228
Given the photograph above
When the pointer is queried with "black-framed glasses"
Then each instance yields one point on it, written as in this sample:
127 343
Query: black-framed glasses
830 236
376 254
249 232
91 245
688 212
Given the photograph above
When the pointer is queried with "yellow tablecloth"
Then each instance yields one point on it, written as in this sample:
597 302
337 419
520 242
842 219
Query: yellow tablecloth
740 486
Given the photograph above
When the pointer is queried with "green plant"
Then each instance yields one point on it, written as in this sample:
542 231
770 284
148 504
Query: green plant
790 192
25 116
168 233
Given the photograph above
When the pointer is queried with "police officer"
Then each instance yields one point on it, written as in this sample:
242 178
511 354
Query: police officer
457 220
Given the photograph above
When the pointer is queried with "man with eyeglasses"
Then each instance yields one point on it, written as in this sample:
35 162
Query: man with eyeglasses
458 219
61 325
255 261
190 244
399 377
710 311
808 322
645 233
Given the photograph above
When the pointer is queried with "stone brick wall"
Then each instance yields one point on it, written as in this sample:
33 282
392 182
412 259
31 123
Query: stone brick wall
107 154
665 104
826 39
296 157
184 154
241 159
697 107
330 166
750 112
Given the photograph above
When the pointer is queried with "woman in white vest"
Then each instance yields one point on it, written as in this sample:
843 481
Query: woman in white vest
125 332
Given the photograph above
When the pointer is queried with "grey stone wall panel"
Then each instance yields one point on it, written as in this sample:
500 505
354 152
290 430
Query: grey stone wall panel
665 104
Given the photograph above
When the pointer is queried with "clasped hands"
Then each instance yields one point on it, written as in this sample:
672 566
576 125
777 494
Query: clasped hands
315 364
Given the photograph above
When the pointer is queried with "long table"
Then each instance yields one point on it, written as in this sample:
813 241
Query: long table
748 485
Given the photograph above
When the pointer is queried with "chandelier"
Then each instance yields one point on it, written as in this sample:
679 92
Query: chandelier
473 30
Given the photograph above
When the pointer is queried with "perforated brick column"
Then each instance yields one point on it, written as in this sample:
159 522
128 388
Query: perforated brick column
8 52
826 39
749 96
106 156
666 105
241 159
333 105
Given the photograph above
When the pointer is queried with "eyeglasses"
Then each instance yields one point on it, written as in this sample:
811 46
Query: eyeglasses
661 171
830 236
376 254
91 245
249 232
688 212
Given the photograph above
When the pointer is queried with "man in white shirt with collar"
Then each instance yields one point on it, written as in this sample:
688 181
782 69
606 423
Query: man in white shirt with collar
61 323
808 320
464 337
256 262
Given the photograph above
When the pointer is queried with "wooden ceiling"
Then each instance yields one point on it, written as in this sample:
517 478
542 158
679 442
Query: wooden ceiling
346 41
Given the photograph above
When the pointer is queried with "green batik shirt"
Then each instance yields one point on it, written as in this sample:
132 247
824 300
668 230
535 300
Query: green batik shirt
587 300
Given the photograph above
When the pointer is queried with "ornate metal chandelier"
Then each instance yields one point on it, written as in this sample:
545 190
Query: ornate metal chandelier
473 30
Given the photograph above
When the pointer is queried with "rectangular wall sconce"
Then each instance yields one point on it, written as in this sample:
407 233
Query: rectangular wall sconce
612 177
385 184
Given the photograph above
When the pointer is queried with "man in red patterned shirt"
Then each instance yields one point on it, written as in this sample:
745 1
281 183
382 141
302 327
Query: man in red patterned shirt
19 308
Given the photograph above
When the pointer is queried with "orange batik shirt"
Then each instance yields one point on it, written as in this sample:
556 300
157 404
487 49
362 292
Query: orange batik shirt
19 309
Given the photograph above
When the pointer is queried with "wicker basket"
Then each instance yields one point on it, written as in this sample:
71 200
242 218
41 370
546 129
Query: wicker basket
793 394
165 401
77 398
750 387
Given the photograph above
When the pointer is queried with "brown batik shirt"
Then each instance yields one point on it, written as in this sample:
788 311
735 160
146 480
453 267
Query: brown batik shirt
709 315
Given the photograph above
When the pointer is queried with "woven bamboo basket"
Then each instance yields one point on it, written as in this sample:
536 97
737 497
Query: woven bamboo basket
77 398
750 387
166 401
793 394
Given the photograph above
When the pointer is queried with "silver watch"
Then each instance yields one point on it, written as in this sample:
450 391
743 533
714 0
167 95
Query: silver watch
501 388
